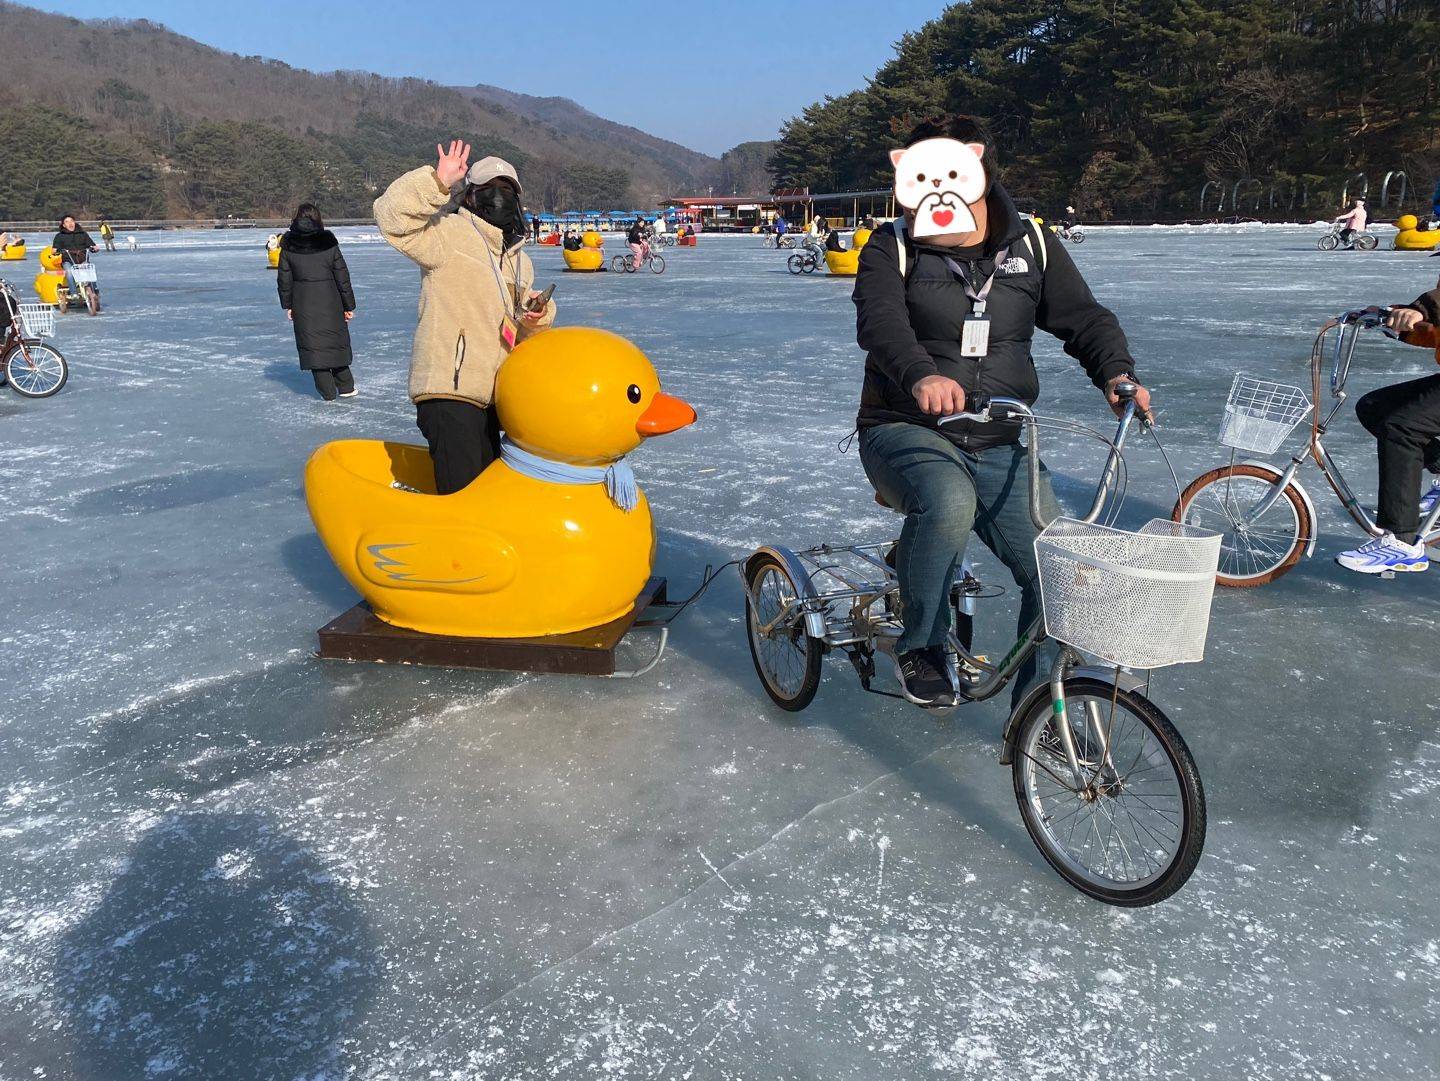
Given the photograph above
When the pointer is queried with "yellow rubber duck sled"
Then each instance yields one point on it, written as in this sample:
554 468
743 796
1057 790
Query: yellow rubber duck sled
552 538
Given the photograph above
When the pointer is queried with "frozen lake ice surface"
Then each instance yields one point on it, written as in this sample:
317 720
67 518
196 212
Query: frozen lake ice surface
222 858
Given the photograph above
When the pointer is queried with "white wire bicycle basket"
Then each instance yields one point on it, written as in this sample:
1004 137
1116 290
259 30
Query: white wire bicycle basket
84 273
37 319
1138 600
1260 415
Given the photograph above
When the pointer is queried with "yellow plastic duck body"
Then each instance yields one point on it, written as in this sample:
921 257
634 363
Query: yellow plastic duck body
860 239
515 554
51 277
272 258
12 252
590 256
843 264
1411 237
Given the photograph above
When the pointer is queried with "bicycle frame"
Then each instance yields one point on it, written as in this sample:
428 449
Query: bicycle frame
828 582
1335 345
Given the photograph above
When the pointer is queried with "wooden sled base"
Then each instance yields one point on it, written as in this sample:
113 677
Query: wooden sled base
360 635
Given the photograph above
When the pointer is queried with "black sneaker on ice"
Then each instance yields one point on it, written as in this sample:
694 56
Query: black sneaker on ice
923 681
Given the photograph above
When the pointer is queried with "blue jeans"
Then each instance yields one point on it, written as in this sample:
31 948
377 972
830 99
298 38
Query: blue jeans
945 494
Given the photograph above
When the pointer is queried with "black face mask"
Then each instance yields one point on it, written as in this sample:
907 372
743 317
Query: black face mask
499 205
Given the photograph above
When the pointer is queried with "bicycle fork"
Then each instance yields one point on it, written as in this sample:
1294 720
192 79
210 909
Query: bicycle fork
1067 735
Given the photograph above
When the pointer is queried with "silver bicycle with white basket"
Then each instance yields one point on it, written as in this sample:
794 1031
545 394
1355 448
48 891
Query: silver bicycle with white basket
1264 515
1106 786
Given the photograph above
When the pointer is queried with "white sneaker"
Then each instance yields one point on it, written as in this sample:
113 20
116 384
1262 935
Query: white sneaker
348 393
1386 554
1429 499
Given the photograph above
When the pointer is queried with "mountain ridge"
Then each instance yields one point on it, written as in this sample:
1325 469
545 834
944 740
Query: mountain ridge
184 128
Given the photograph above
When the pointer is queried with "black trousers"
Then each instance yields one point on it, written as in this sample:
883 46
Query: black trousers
332 381
1405 421
463 438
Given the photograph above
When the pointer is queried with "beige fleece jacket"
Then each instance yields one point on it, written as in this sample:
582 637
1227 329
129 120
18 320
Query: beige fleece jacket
459 255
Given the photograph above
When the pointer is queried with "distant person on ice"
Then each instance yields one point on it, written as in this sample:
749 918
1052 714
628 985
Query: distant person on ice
107 234
475 287
315 292
1352 221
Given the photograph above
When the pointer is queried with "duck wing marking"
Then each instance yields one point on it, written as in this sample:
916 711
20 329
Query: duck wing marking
445 560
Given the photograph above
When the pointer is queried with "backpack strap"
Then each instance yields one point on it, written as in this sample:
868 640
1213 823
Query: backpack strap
902 245
1034 244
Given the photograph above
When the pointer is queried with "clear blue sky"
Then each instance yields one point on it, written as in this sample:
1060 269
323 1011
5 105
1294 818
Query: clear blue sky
709 75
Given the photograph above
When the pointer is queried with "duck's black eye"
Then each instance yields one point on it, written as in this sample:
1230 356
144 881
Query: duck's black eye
952 174
919 176
633 394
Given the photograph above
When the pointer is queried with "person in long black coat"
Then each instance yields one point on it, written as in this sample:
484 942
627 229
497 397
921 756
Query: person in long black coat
315 292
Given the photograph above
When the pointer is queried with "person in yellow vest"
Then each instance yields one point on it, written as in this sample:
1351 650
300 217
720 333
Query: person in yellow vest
476 299
107 234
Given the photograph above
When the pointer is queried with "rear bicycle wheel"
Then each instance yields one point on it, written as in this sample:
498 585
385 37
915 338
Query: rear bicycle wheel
34 369
1252 553
1367 241
1077 236
787 660
1131 831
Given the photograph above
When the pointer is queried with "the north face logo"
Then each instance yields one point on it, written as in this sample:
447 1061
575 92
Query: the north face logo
1014 265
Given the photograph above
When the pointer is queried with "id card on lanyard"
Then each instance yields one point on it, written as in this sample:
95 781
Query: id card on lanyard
975 331
509 326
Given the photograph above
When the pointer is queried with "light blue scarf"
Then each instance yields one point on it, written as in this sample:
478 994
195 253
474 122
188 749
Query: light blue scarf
618 478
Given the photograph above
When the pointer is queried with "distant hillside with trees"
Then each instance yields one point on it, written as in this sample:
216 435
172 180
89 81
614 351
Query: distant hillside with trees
1128 107
129 119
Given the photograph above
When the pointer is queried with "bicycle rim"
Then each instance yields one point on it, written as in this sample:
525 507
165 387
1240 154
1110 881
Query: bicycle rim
1254 550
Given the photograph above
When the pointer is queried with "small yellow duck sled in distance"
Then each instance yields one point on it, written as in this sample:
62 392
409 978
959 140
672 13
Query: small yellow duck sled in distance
551 538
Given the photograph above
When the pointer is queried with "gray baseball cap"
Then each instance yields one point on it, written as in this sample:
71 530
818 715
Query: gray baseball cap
492 168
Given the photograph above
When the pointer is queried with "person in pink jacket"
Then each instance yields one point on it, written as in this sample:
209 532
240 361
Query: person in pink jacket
1352 221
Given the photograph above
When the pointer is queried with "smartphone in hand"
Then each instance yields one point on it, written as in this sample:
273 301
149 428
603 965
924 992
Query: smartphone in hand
538 302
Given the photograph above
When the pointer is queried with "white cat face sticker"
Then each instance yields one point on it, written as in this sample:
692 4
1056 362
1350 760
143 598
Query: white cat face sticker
940 179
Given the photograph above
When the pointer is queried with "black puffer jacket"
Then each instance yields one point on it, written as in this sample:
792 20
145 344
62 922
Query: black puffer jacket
314 285
911 329
76 242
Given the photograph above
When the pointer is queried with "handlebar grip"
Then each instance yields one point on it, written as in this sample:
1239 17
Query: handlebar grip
1126 390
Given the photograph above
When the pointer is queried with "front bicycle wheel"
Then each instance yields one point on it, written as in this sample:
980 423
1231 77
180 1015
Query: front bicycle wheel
1130 829
92 300
657 264
35 370
1367 241
1254 551
1077 236
796 263
1327 242
787 660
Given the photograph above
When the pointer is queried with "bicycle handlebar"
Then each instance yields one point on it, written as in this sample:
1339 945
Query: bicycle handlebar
984 406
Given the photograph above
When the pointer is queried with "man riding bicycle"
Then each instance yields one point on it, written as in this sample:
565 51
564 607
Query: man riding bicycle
1405 421
942 319
72 242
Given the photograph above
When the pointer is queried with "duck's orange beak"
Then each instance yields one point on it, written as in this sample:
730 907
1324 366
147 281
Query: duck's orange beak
665 414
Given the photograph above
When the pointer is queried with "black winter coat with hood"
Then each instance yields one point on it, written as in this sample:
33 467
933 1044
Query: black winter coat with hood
314 285
911 328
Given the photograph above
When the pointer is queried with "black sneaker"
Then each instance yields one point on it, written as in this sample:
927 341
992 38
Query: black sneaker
924 681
